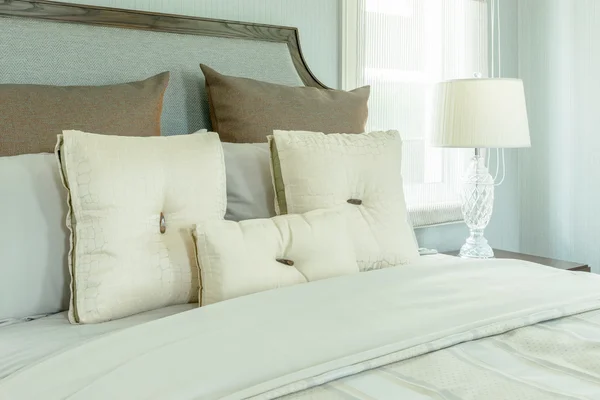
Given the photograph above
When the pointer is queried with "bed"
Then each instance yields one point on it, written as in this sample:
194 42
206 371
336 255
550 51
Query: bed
437 328
484 347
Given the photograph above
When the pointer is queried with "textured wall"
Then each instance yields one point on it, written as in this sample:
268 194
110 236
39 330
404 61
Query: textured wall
317 20
559 61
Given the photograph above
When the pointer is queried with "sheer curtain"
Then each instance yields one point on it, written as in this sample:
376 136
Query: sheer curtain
403 48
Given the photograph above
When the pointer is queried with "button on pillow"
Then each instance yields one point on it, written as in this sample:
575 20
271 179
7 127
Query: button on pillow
359 173
133 202
239 258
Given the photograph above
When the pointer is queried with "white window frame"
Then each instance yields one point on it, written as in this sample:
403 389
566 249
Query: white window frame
445 213
349 51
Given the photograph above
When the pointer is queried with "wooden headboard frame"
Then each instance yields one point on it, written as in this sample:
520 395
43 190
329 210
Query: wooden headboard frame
104 16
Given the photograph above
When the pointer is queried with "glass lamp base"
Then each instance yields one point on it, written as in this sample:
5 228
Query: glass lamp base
477 205
476 247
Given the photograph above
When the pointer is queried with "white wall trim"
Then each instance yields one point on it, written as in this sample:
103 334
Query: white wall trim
349 48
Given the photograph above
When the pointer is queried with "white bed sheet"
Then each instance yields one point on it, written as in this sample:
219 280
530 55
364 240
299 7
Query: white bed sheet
27 342
24 343
521 349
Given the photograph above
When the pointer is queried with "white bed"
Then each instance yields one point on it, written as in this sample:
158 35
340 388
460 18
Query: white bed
440 329
25 342
556 359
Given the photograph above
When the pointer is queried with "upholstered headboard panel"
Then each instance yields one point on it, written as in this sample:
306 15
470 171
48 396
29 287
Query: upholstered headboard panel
64 44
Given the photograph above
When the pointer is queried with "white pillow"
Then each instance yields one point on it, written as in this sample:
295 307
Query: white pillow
133 202
360 173
249 187
239 258
34 242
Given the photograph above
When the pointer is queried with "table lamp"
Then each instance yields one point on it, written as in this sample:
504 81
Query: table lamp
479 113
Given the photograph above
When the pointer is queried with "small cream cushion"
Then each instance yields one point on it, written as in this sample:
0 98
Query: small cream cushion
240 258
359 173
120 261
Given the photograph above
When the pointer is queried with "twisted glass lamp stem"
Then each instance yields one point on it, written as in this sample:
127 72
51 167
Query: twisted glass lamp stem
477 205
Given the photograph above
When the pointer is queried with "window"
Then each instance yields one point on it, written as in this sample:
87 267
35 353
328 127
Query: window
402 48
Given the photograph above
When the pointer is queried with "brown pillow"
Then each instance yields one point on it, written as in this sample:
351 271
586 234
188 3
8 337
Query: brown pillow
32 115
247 111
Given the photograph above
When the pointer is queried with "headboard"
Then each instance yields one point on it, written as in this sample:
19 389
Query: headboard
45 42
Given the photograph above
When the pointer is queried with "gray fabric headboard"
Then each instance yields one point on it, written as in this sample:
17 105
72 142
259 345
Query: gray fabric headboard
66 44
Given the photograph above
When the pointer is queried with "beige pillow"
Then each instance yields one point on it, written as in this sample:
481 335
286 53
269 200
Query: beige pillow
31 116
240 258
360 174
132 204
247 111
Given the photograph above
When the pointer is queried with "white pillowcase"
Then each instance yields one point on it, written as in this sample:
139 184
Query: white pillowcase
360 173
240 258
133 202
34 276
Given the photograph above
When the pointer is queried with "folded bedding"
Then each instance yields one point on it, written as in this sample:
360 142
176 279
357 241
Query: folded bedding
414 326
556 359
25 343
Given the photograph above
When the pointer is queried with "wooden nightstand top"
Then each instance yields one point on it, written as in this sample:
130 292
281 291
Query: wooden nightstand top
567 265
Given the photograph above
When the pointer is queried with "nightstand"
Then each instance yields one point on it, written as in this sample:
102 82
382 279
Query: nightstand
567 265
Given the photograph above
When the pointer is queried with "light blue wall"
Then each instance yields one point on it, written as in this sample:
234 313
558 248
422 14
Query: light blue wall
317 21
504 229
559 62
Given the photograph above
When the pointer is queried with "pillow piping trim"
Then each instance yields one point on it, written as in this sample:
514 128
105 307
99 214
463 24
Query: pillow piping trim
280 203
73 314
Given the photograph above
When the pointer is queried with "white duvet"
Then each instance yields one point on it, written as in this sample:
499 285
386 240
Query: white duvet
286 340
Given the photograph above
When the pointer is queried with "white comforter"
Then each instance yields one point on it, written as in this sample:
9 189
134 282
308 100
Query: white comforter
278 342
557 359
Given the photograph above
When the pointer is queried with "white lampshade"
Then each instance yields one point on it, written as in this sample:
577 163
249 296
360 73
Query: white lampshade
480 113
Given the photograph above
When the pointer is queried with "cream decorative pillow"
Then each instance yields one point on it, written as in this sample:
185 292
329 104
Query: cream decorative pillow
133 202
360 173
239 258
